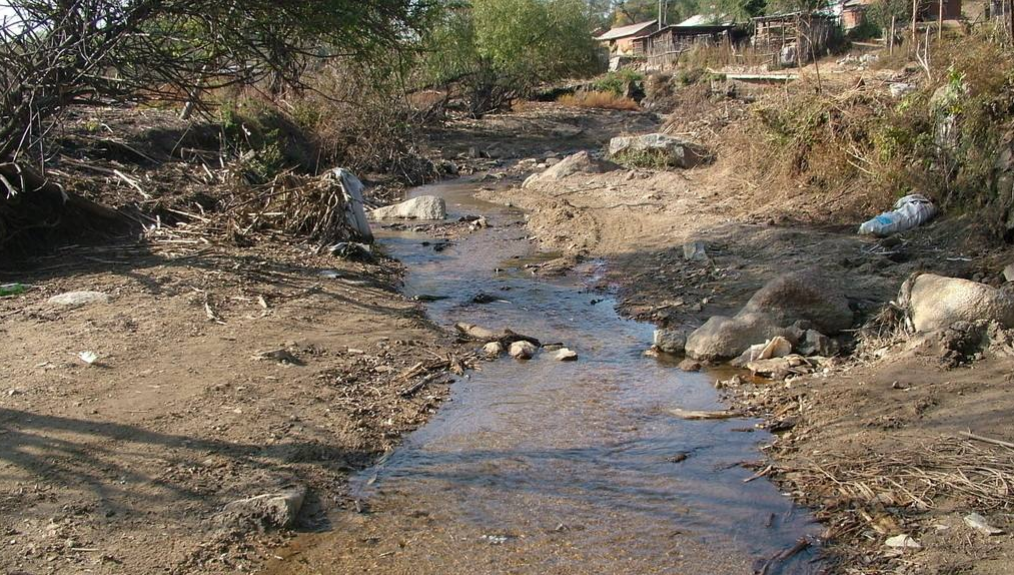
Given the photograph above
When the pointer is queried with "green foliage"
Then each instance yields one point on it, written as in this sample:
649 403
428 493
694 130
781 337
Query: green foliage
502 49
881 12
951 139
617 82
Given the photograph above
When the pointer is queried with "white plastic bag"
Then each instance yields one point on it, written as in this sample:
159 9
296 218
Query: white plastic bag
910 212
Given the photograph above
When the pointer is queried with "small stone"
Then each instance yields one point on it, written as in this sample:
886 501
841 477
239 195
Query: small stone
671 340
817 344
902 542
522 350
78 298
978 522
493 349
695 252
565 355
690 365
274 510
1008 273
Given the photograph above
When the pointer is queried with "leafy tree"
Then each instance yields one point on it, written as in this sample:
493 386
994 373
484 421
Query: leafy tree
57 53
882 12
501 49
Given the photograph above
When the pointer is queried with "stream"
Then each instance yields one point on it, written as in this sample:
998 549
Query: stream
545 467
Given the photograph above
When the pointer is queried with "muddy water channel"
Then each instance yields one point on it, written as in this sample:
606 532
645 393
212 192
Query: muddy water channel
545 467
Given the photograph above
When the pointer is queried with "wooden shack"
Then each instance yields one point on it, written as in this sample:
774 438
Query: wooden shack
796 33
620 41
930 10
662 49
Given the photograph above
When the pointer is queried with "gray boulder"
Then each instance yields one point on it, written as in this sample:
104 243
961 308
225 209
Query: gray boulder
724 337
816 343
935 302
671 340
78 298
579 163
676 152
780 308
805 296
420 208
263 512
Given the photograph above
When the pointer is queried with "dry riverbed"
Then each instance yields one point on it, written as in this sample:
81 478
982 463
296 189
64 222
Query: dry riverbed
874 441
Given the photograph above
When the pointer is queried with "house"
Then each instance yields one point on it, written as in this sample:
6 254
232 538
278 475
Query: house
853 13
929 10
620 41
662 49
793 37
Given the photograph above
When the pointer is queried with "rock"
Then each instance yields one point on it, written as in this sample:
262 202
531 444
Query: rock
804 296
901 89
676 152
724 337
671 340
978 522
478 333
269 511
690 365
695 252
774 348
787 56
493 349
565 355
420 208
1008 273
581 162
780 368
522 350
78 298
354 251
816 343
902 542
935 302
800 296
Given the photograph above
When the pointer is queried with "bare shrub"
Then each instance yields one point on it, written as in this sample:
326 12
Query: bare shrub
597 99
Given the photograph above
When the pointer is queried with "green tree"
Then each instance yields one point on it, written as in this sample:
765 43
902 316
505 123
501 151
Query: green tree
501 49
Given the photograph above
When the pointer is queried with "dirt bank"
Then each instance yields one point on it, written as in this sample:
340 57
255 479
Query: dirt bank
220 372
872 443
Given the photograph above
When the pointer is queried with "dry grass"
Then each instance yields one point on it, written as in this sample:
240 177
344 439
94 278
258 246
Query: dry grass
601 100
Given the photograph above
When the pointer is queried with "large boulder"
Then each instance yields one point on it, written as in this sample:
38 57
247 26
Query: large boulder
420 208
781 308
723 337
803 296
674 151
579 163
935 302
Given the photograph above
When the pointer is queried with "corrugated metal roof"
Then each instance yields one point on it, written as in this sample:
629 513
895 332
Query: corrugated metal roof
627 31
707 20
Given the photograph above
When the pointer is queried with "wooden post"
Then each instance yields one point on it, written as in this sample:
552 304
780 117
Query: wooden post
915 14
940 19
1010 18
890 41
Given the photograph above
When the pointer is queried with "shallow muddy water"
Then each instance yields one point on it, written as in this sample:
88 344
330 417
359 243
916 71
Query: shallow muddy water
546 467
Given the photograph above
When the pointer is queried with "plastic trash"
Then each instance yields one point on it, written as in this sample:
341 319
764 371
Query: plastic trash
910 212
7 290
